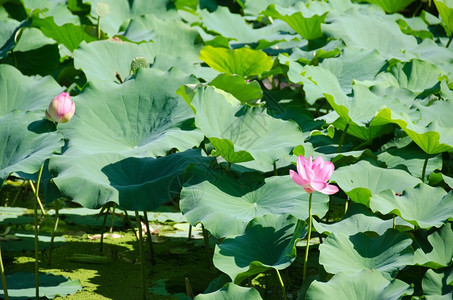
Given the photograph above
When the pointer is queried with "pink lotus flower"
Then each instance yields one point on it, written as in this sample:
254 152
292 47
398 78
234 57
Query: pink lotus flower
61 109
313 175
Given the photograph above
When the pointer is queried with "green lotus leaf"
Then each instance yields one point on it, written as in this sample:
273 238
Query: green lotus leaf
14 215
368 30
368 284
26 141
439 111
52 8
234 26
224 206
121 11
102 59
169 37
303 20
242 133
357 219
438 284
391 6
133 183
445 9
254 8
9 27
386 253
25 241
423 206
32 38
243 61
363 180
269 242
238 87
69 34
25 93
142 117
21 286
231 291
440 253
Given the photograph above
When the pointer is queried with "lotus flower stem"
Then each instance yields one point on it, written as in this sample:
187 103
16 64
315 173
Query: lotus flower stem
54 229
150 241
37 197
113 217
2 269
424 166
35 212
99 27
394 221
140 251
308 238
281 284
343 135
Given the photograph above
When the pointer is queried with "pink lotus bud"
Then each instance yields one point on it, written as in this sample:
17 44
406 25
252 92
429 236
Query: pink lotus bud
313 175
61 109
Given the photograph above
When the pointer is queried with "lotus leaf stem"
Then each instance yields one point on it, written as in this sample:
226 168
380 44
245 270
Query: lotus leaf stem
449 41
2 269
140 251
424 167
343 135
101 247
394 221
37 197
99 27
308 238
150 241
113 217
281 284
35 212
130 223
189 237
206 243
54 229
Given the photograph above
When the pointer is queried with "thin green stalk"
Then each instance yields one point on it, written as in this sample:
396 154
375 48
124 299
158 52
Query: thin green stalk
140 251
206 244
101 246
35 211
2 269
228 166
150 241
37 197
275 169
189 237
54 229
424 167
99 28
343 135
346 206
449 41
394 221
113 218
130 223
308 237
281 284
18 193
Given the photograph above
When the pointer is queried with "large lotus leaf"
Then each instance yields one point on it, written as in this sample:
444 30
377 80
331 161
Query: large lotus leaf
69 34
14 215
100 60
362 180
141 117
32 38
369 31
423 206
438 284
170 37
26 141
368 284
234 26
410 159
439 111
391 6
225 207
21 286
25 93
445 8
386 253
254 8
122 10
52 8
246 92
242 133
440 252
133 183
25 241
231 291
303 20
432 139
8 26
269 242
357 219
354 64
243 61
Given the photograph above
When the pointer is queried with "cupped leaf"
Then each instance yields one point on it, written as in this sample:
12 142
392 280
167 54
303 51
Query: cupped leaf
423 206
225 207
391 6
21 286
231 291
244 62
55 8
142 117
246 92
26 141
387 253
368 284
242 133
133 183
438 284
445 8
102 59
362 180
25 93
440 253
269 242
